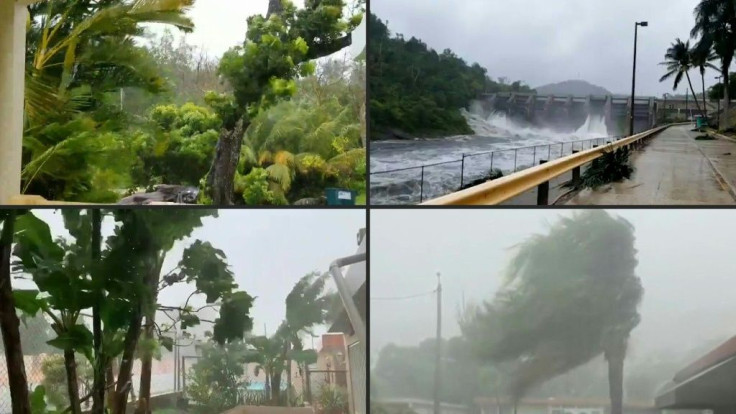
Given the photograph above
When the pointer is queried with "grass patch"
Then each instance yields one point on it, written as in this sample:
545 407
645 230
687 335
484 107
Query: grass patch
704 137
360 199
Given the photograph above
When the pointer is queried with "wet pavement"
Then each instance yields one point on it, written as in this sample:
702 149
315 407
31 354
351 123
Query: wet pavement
673 169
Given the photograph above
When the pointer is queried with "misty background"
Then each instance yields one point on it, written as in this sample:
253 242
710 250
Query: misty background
684 265
541 42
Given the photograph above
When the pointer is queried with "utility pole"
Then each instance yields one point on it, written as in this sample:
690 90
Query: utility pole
438 356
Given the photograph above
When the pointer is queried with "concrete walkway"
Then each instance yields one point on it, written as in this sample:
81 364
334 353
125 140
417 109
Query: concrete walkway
673 169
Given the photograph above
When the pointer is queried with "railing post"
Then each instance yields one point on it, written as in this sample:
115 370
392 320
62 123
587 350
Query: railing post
492 154
516 153
549 151
421 187
535 155
462 172
576 170
543 190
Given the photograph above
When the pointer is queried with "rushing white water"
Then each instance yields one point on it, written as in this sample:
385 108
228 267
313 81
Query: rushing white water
492 132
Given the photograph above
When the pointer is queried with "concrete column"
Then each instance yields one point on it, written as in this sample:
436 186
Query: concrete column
13 16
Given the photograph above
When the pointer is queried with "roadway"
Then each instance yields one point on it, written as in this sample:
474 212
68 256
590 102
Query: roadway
673 169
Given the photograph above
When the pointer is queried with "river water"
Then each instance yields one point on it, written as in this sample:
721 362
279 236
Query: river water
492 133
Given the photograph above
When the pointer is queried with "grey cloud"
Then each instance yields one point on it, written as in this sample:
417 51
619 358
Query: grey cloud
543 41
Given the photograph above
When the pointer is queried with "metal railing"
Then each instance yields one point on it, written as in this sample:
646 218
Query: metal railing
413 185
501 190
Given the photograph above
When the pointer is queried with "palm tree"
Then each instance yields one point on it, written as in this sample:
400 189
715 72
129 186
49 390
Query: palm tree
701 59
715 24
568 298
678 60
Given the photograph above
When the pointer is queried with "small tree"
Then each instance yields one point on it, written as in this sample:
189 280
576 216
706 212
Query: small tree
217 379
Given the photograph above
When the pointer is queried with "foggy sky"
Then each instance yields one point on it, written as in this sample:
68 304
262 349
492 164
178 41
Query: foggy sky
685 264
541 41
268 251
221 24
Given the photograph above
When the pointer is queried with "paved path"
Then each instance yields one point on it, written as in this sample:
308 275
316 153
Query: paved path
673 169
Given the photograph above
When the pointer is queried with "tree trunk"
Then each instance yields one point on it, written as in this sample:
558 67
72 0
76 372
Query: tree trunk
702 78
695 96
124 383
98 382
110 383
144 396
72 382
276 388
9 326
615 357
726 98
221 177
288 383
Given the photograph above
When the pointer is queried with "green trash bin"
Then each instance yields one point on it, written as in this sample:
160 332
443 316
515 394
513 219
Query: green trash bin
340 197
701 122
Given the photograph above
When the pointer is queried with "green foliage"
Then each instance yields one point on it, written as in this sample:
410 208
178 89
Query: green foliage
217 379
77 160
332 399
54 378
569 296
256 190
179 147
234 321
612 167
419 91
716 91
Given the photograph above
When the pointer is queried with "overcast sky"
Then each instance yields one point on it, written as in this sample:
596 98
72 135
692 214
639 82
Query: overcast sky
268 251
542 41
685 264
221 24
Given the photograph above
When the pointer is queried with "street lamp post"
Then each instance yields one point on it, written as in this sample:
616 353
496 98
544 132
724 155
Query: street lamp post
633 77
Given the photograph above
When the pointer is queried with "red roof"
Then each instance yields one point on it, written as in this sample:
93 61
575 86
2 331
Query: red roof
714 357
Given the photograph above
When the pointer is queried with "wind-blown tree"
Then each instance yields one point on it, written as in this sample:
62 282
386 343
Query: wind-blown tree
715 25
679 62
278 48
78 53
701 59
122 291
569 296
9 322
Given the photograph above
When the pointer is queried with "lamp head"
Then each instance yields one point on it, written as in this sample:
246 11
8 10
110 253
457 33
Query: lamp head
643 24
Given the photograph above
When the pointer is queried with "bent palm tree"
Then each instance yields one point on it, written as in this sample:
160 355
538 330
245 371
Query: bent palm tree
701 59
715 24
679 62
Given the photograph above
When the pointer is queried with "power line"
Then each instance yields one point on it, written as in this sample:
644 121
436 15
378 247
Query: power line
407 297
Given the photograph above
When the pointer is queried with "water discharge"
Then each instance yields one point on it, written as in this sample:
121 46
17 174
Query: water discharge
494 132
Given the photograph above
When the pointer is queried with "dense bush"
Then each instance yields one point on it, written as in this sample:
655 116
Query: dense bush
416 90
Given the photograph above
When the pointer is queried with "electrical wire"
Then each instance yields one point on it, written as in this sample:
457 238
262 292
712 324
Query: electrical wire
407 297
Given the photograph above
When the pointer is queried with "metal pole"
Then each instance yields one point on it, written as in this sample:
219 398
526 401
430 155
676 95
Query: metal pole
347 299
438 357
543 190
421 187
462 172
535 156
516 153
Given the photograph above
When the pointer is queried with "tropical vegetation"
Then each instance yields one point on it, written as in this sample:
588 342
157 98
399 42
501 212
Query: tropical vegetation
714 33
100 291
109 112
418 91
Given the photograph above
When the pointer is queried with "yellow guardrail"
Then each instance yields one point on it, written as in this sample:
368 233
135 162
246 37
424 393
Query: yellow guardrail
503 189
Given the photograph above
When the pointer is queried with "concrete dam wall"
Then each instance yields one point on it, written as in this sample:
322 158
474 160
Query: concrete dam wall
570 113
